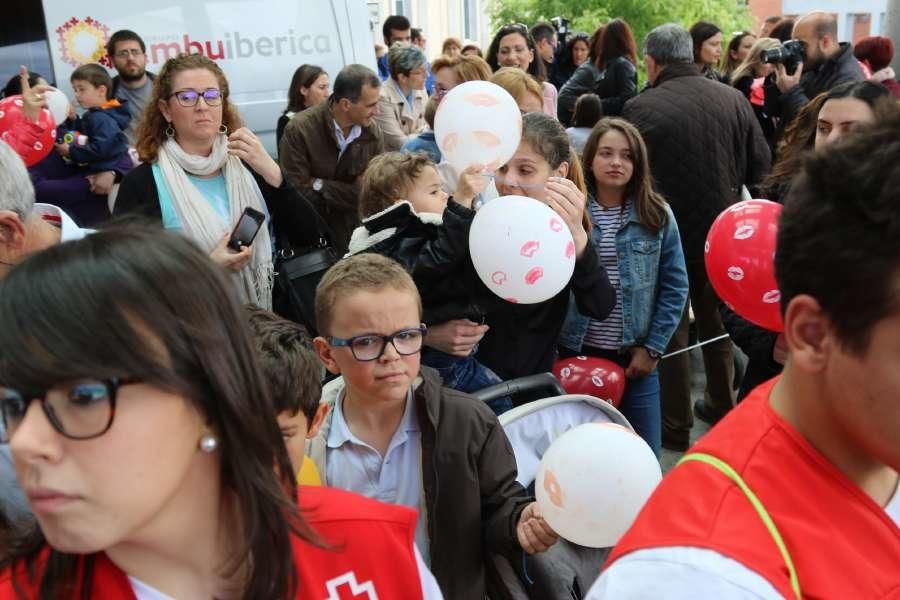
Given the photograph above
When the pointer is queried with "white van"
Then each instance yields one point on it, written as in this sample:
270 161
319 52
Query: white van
258 43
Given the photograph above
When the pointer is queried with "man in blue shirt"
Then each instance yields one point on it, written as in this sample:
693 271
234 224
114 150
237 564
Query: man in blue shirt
396 28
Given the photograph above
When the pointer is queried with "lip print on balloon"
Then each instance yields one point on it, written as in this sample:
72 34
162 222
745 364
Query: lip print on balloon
597 380
735 273
533 275
553 489
451 141
499 277
479 99
570 250
556 225
566 371
772 297
744 232
530 248
486 138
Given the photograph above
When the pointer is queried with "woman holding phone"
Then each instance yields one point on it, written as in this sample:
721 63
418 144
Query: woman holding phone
145 441
201 169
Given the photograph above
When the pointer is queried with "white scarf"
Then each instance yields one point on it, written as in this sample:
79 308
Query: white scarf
202 224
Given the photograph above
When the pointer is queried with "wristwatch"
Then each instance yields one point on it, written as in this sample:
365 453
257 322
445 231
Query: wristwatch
317 184
653 353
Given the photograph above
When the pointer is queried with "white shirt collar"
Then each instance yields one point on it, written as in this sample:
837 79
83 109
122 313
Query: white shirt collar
340 433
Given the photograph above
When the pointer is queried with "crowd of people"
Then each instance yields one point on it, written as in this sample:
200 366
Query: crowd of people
180 419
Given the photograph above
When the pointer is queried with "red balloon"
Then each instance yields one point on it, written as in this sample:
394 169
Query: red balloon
740 261
16 131
592 376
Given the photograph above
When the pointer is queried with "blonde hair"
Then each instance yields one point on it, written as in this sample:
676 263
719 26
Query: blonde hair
449 43
388 179
365 272
518 83
749 64
151 132
466 68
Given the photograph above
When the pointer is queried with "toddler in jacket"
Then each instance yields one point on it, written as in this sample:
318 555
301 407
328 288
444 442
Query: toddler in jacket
407 216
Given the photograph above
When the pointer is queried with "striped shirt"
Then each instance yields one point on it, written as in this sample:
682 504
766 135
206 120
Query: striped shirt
607 334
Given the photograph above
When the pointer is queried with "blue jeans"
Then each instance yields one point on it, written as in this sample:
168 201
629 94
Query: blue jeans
466 375
641 406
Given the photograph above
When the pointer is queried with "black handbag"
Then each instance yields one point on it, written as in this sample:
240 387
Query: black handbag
297 274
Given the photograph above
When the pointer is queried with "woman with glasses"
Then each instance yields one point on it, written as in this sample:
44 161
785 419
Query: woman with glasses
145 441
401 103
201 169
513 46
522 337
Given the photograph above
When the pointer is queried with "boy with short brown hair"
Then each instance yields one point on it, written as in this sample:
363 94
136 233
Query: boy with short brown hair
395 434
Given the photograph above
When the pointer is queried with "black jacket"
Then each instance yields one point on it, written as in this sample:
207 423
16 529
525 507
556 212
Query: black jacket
839 69
616 84
757 343
704 143
435 252
106 143
522 337
766 121
293 217
472 499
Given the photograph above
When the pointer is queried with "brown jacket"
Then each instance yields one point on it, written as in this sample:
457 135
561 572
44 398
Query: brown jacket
468 472
309 151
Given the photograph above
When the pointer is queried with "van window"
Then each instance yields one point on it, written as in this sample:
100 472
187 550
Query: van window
23 40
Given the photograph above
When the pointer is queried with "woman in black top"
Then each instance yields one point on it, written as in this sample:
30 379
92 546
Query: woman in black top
309 86
707 48
575 54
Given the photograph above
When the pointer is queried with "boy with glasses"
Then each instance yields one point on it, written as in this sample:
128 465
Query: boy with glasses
396 435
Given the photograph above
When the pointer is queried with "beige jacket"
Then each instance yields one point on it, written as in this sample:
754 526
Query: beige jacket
397 121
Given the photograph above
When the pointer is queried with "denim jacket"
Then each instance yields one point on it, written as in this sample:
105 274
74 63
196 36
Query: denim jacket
653 284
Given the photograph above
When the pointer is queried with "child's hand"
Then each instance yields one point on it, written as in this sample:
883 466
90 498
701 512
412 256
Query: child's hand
33 98
568 202
641 365
534 533
71 114
63 150
471 183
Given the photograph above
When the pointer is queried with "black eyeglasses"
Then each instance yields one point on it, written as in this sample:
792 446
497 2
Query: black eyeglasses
371 346
80 411
189 98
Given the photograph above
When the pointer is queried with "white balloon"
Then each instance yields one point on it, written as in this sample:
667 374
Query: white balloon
57 104
593 481
522 250
478 122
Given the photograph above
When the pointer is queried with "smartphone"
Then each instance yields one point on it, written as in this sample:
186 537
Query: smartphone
246 229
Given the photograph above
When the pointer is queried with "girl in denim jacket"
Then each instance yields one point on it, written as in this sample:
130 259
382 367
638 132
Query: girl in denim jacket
635 234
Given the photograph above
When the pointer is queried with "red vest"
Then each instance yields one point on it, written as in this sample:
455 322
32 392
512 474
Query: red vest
371 556
842 543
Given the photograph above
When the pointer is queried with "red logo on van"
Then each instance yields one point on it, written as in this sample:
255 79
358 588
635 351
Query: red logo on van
83 41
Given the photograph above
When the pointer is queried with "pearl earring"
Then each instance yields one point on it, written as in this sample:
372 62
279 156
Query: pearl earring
208 443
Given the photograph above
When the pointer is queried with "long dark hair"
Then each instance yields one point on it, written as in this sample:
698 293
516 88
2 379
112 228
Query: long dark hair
729 64
800 136
616 39
700 32
536 69
650 205
304 77
103 307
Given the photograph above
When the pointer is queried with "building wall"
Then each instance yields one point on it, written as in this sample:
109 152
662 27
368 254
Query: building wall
856 19
439 19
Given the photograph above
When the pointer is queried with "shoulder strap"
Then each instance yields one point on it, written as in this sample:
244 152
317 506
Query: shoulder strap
733 475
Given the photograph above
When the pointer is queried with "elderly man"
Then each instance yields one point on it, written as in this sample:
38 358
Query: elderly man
704 144
325 149
25 228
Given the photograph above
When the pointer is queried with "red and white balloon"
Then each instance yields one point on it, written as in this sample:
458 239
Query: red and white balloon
521 249
15 127
740 261
591 376
478 123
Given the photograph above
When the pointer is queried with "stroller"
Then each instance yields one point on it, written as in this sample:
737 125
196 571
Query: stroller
567 570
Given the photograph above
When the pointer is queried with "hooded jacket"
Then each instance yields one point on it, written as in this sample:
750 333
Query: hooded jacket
106 142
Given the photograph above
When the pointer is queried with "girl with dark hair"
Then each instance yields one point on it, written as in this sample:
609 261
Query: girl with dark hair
588 110
636 239
309 86
611 72
575 54
738 49
522 337
513 46
707 48
144 437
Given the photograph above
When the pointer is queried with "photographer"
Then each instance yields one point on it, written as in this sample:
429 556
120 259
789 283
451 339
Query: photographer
823 64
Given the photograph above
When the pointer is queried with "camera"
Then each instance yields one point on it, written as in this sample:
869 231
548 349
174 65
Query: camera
790 54
561 24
